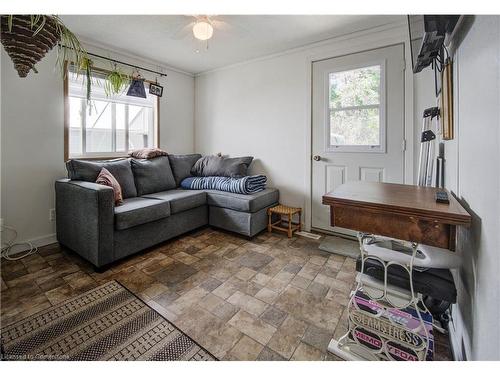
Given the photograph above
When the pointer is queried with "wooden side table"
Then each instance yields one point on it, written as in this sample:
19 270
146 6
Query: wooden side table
405 212
284 210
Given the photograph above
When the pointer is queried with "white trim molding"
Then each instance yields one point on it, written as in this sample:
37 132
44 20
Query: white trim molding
153 64
306 47
456 332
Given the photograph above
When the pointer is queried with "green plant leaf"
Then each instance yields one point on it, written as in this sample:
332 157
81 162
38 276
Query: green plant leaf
42 24
70 47
115 82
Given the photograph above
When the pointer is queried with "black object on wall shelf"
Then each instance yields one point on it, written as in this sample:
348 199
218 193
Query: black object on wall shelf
427 36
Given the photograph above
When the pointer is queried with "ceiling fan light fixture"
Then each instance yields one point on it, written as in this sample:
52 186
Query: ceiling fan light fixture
203 30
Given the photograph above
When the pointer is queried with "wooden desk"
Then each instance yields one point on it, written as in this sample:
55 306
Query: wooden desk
404 212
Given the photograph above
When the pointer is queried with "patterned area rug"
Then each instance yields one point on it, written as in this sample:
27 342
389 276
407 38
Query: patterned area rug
105 323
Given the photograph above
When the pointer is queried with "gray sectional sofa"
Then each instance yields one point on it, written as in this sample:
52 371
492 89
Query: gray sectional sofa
154 209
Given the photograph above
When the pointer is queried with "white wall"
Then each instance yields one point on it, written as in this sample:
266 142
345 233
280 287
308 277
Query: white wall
472 173
258 109
262 108
32 144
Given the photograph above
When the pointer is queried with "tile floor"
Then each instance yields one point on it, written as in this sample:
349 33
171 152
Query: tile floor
269 298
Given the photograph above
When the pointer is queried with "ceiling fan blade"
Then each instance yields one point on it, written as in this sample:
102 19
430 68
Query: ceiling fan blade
182 32
234 28
221 25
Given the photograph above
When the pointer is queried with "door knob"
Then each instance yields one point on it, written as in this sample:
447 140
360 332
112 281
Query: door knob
317 157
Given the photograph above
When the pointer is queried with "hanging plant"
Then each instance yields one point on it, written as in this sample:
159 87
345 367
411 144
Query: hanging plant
28 38
115 82
86 67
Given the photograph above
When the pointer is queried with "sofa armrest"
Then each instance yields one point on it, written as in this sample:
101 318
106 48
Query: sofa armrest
85 218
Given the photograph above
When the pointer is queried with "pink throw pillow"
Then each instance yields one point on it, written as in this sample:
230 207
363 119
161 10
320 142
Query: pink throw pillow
106 178
147 153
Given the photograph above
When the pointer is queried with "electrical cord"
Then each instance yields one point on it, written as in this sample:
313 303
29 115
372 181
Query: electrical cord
8 246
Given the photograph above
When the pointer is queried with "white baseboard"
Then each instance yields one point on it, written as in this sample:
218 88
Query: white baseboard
37 242
455 340
458 337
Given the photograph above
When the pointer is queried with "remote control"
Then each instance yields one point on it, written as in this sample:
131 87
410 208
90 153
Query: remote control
442 197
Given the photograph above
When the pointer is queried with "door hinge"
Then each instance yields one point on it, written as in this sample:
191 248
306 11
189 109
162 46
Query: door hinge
404 145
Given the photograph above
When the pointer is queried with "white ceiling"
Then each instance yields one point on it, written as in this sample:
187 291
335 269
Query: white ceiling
168 39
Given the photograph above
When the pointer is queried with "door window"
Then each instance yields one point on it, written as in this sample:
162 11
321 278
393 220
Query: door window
355 118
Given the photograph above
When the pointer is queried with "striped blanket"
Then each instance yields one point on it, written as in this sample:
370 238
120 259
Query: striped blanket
243 185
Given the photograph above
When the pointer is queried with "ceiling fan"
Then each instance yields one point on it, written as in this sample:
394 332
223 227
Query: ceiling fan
202 27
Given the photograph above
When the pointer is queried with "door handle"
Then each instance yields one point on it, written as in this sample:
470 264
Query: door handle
317 158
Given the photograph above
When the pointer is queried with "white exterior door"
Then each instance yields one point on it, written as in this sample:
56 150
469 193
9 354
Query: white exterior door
357 123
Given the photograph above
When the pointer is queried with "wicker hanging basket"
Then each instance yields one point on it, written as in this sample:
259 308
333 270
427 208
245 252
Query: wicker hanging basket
24 45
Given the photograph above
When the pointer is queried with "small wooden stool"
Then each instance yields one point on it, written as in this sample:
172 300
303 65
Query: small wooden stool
284 210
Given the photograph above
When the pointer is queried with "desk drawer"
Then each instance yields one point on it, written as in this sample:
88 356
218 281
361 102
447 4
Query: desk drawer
404 227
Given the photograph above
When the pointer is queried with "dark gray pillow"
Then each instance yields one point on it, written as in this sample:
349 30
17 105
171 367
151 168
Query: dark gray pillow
152 175
181 165
86 170
221 166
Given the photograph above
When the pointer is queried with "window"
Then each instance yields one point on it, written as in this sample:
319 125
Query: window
109 126
355 110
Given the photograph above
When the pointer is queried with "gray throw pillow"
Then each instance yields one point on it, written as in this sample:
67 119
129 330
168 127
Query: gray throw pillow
222 166
86 170
181 166
152 175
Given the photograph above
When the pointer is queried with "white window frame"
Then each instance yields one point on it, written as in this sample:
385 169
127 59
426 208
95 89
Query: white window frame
329 148
102 155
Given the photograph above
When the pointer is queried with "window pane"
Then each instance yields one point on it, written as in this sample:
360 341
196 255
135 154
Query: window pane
357 87
75 126
360 127
120 127
140 127
114 124
99 133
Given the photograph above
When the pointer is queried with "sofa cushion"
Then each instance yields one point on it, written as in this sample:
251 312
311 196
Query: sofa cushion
241 202
152 175
213 165
181 200
137 211
86 170
181 166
